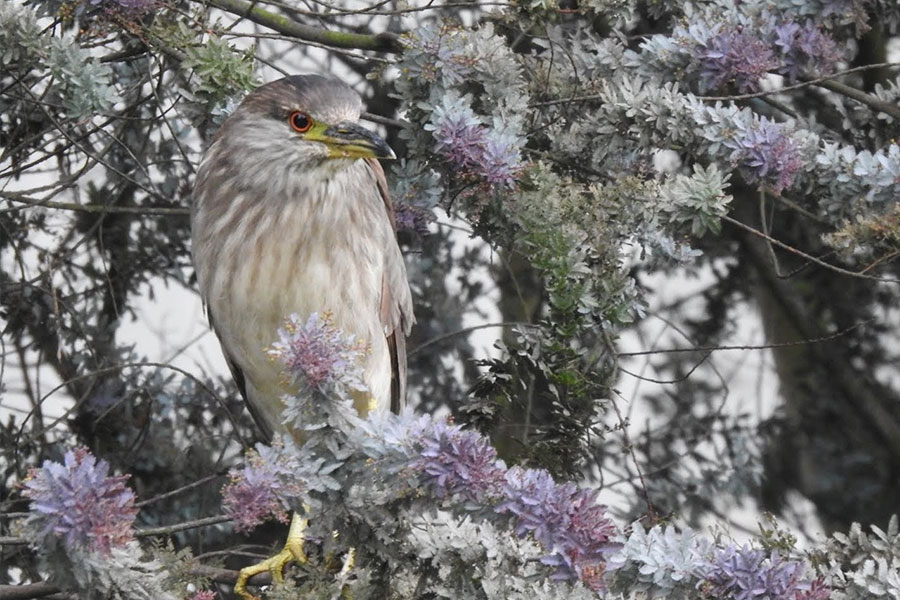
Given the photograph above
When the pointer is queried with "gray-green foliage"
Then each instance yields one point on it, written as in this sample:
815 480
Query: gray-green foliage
866 565
700 199
85 84
219 71
19 35
661 562
81 84
129 572
477 560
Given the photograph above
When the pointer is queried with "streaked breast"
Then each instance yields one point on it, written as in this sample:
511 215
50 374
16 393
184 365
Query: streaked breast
320 250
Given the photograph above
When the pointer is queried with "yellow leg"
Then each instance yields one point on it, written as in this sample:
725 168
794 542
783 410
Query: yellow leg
349 562
292 552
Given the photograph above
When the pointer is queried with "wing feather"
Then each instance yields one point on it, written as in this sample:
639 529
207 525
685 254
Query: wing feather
395 309
238 374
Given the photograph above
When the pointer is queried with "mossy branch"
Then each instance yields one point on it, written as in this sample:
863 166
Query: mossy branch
380 42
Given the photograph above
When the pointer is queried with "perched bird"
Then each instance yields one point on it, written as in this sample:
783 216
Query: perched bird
291 214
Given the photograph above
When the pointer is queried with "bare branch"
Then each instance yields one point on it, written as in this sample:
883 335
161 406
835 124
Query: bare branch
818 340
28 201
169 529
46 590
380 42
27 591
148 532
860 96
802 254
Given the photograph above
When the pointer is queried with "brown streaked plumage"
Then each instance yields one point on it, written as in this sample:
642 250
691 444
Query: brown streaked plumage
288 221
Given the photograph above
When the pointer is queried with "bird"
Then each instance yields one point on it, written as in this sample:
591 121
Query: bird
291 215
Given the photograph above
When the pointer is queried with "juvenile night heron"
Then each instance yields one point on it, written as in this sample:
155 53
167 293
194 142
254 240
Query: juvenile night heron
291 214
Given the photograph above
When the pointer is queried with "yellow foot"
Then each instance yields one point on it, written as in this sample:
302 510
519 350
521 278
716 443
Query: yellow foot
292 552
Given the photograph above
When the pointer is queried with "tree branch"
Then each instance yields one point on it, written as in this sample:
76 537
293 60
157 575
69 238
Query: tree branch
860 96
797 86
876 408
168 529
27 591
93 208
146 532
43 590
380 42
804 255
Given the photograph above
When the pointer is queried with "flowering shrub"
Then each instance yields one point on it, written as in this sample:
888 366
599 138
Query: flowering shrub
445 467
663 562
491 153
486 147
379 478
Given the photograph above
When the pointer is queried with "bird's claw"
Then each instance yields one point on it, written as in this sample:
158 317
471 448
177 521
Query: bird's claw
292 552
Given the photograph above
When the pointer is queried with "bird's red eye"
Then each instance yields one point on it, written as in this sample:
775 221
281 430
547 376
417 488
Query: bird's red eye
300 121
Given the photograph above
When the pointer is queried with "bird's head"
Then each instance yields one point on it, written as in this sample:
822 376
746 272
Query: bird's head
306 121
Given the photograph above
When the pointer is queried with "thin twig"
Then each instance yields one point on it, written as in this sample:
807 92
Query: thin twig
121 366
169 529
808 257
27 591
146 532
684 377
465 330
882 259
818 340
93 208
176 492
737 97
797 86
42 589
873 102
630 449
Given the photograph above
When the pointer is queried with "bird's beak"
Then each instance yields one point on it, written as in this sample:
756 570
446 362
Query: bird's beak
349 140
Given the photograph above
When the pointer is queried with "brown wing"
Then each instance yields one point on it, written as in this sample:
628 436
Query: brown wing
396 305
238 374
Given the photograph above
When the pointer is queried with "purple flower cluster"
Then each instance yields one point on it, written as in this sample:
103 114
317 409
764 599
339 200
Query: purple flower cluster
485 152
459 463
565 520
767 152
260 490
736 56
460 136
80 503
413 219
562 517
746 574
500 160
318 354
742 56
804 49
